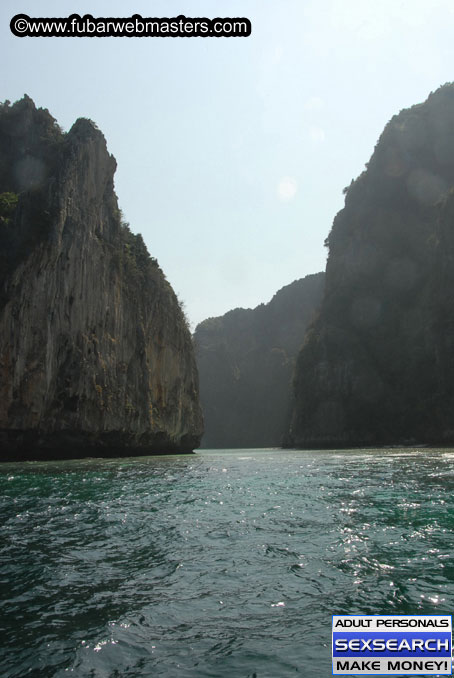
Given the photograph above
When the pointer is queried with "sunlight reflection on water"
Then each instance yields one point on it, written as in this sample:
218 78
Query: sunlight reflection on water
224 563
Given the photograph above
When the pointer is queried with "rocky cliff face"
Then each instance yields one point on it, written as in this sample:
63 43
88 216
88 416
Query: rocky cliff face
95 354
246 360
377 366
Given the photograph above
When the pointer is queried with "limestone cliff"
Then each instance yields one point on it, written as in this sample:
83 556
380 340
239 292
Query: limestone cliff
95 354
246 360
377 366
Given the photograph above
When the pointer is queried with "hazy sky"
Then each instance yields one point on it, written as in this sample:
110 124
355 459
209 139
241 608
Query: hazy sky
233 153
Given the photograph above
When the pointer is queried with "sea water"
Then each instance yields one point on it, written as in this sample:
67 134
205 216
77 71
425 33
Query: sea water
220 564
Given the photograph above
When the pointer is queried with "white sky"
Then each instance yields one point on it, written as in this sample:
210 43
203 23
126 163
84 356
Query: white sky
233 153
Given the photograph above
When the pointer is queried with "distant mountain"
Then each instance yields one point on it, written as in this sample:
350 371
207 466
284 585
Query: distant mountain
246 360
95 354
377 366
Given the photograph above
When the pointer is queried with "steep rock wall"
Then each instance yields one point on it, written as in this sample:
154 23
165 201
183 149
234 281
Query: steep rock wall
377 366
246 360
95 354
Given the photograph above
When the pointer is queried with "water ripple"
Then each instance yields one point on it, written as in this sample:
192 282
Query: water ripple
221 564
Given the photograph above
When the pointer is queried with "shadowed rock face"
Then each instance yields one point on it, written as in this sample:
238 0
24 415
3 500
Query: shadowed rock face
95 354
246 360
377 366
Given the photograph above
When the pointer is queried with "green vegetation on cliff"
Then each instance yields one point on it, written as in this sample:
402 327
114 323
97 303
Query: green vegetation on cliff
8 204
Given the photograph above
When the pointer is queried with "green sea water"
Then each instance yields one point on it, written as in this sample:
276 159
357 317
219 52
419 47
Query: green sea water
218 564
